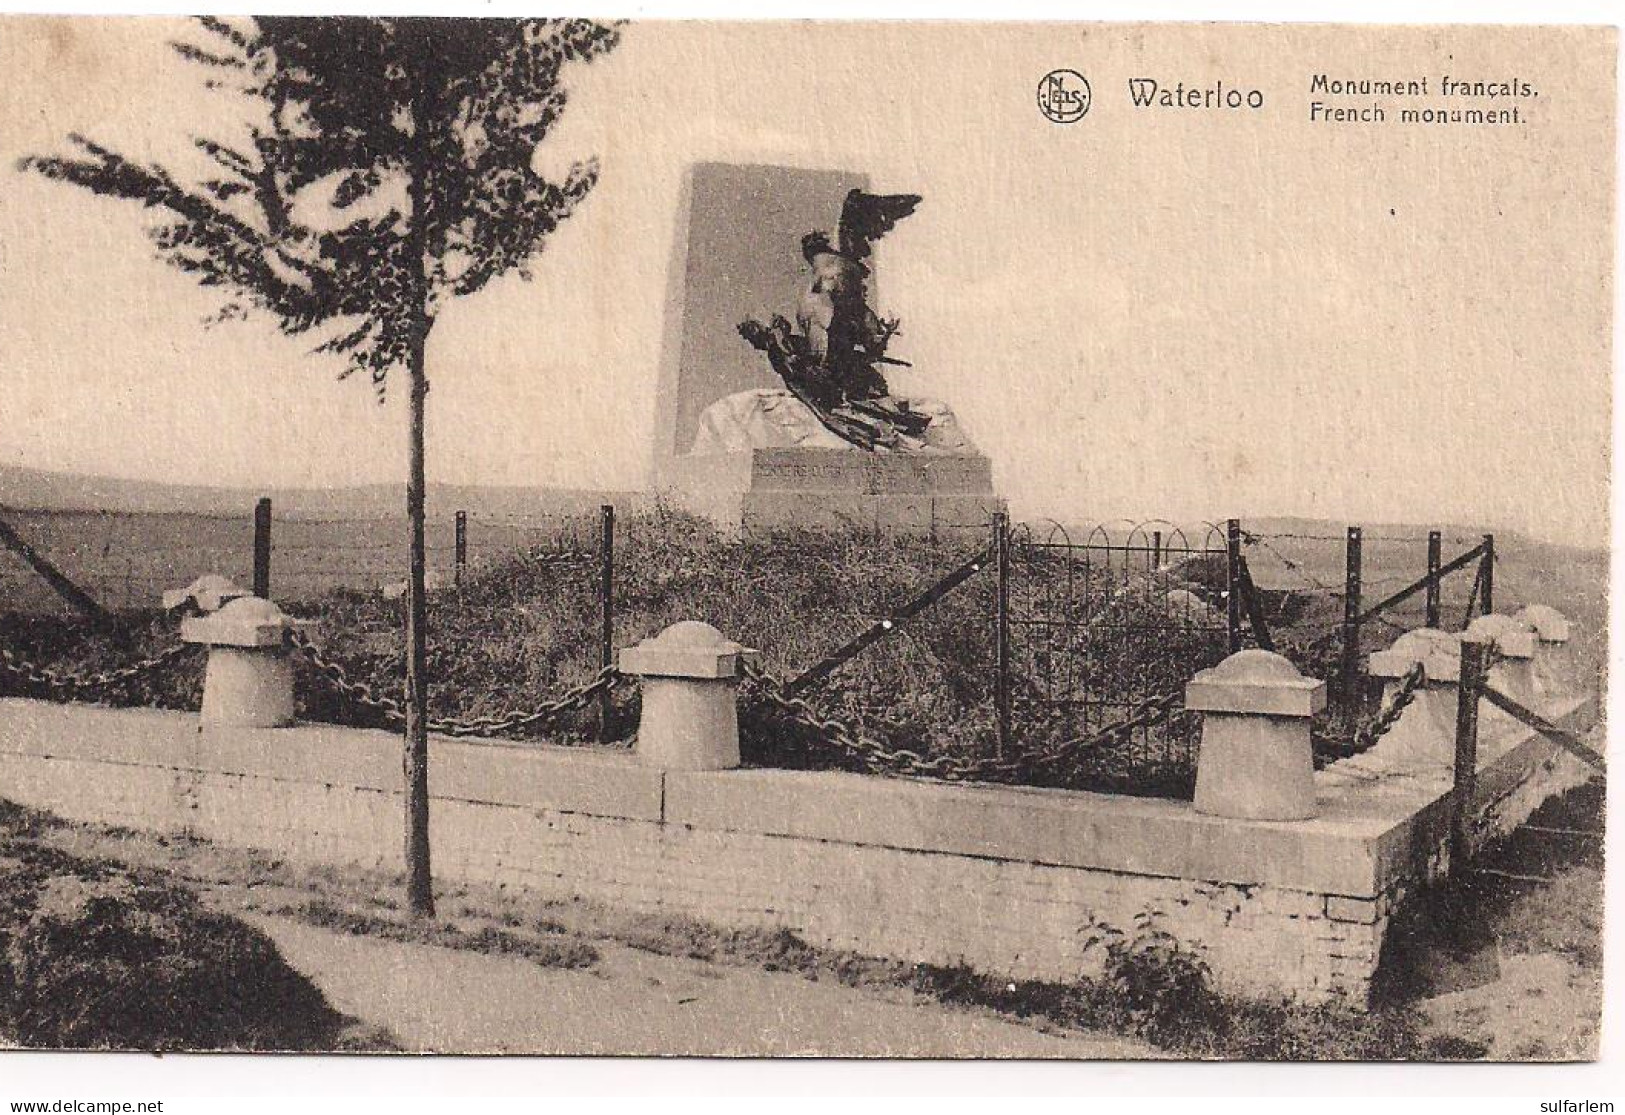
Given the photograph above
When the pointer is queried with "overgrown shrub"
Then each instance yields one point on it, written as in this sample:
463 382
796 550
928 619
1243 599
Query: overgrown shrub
1164 984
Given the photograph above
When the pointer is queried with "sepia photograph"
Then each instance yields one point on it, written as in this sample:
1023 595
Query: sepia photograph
864 539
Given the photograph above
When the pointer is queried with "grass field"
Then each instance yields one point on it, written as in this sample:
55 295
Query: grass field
127 560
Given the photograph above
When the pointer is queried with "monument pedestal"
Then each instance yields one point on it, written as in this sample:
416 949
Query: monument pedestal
771 490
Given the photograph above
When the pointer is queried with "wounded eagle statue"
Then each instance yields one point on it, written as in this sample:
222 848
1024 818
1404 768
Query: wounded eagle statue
833 363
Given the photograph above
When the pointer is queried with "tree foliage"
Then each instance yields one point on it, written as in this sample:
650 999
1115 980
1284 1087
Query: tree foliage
386 167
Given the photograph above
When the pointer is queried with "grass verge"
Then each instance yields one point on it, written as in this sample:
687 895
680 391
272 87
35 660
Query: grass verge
325 913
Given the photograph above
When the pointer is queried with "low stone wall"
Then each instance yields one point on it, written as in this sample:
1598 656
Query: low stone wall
1003 879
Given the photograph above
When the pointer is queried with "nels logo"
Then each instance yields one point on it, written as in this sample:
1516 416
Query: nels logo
1063 96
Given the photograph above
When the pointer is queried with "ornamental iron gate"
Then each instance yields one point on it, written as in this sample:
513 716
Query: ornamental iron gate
1091 631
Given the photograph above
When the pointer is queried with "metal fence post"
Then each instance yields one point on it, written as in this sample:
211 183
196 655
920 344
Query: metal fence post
1232 582
58 580
262 548
1486 565
1351 621
461 549
1156 550
1255 610
1001 629
606 604
1433 578
1465 784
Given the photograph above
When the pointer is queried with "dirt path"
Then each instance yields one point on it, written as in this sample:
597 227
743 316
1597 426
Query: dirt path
433 998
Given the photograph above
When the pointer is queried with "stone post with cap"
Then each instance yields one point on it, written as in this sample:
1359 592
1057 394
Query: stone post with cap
1255 762
1424 738
249 679
1438 652
1514 641
209 593
1556 672
690 680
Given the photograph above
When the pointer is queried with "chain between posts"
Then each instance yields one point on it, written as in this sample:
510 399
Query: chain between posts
876 758
1393 706
1388 714
76 683
361 695
1068 754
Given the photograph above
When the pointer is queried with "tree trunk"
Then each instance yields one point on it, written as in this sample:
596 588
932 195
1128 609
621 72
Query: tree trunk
419 884
419 879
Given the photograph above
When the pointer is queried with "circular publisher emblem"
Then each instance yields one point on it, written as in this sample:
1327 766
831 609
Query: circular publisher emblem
1063 96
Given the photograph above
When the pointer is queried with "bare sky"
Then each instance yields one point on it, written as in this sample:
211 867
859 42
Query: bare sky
1149 312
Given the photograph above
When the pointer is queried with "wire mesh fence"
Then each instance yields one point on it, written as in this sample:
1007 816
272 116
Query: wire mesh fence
1334 599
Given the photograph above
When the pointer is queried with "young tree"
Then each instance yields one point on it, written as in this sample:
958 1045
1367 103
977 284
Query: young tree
385 169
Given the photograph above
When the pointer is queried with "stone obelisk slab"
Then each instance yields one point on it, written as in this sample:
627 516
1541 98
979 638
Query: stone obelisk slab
729 442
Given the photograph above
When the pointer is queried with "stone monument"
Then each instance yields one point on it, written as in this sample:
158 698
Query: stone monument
761 430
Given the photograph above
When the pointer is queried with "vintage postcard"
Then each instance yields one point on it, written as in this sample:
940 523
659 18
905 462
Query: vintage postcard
841 539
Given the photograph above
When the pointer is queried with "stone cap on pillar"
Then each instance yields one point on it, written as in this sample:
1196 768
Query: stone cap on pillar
1439 652
247 621
210 593
1514 638
1256 682
1551 625
689 649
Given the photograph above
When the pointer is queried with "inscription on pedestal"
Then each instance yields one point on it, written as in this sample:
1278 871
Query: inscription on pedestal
834 470
876 474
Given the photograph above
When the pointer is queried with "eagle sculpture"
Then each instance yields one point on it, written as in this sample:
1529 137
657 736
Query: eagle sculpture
832 363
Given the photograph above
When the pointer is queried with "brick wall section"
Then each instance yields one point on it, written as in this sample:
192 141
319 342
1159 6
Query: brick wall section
998 878
1011 918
